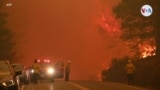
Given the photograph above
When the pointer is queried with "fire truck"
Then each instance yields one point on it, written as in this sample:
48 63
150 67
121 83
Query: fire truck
51 70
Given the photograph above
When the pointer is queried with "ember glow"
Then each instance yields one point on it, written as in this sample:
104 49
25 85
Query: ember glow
109 24
147 50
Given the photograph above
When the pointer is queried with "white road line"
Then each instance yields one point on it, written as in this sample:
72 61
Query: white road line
79 86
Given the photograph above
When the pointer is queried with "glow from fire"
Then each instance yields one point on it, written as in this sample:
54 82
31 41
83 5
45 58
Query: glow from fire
112 27
147 50
109 24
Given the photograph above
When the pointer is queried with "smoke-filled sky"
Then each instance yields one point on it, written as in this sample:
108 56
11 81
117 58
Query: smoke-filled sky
65 30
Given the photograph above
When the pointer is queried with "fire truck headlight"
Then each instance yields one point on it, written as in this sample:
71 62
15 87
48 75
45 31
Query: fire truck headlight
32 71
50 70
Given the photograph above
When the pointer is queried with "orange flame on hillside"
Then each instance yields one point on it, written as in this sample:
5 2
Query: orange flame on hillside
109 24
147 50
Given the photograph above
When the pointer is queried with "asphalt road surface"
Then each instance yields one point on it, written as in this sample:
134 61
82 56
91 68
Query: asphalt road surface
78 85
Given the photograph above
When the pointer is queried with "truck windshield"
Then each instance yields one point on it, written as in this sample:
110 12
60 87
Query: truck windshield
18 67
45 65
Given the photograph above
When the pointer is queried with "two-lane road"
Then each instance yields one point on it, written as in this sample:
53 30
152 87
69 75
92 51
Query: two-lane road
78 85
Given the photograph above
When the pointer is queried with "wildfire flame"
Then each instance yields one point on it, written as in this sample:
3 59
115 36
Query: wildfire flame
147 48
109 24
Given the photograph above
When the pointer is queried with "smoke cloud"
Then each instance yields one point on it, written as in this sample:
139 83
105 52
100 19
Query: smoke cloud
65 30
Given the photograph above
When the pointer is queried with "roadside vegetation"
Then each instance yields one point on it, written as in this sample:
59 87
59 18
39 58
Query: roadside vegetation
147 72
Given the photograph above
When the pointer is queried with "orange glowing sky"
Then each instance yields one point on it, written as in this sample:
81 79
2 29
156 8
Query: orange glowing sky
64 30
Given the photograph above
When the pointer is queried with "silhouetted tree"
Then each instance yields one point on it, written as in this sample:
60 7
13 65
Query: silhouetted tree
6 36
137 28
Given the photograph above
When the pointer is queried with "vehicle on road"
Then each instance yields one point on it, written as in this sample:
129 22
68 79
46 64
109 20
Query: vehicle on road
9 79
24 78
50 71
